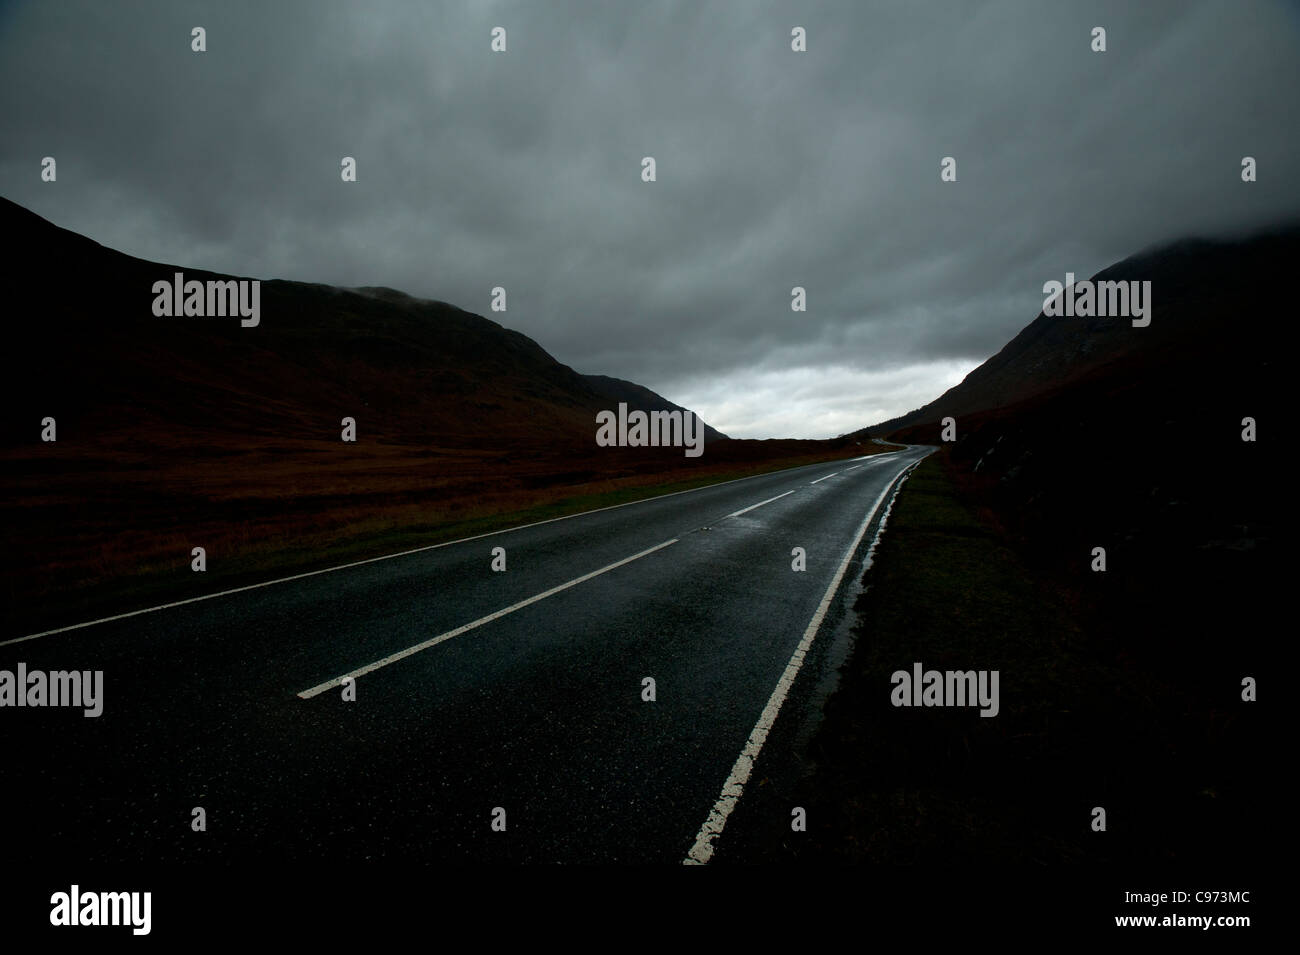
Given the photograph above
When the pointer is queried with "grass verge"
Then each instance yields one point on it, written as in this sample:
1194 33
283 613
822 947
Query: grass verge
252 552
1077 729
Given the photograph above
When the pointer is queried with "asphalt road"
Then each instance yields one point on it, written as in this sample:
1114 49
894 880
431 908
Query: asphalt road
235 703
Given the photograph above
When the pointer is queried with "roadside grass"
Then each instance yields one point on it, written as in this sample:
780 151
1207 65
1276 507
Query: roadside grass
946 787
126 550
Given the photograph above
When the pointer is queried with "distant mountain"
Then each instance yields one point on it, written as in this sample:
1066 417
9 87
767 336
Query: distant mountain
1203 292
641 399
1165 449
84 346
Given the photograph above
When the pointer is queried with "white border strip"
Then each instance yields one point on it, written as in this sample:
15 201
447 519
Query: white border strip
702 851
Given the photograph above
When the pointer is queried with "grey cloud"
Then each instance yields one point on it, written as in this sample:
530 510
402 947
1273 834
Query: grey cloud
775 169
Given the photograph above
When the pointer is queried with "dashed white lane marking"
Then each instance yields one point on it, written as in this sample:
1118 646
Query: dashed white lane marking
824 477
371 560
746 510
702 851
444 637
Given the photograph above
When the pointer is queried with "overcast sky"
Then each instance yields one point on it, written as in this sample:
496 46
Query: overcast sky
774 168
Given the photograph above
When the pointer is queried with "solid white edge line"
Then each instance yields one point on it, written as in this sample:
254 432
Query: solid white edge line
404 553
444 637
702 851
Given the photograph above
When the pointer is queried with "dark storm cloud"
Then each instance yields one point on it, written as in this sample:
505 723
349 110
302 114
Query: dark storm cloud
775 169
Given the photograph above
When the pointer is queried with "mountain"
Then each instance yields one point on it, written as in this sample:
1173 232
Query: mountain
86 349
1083 433
640 398
1161 451
175 433
1201 291
1105 526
